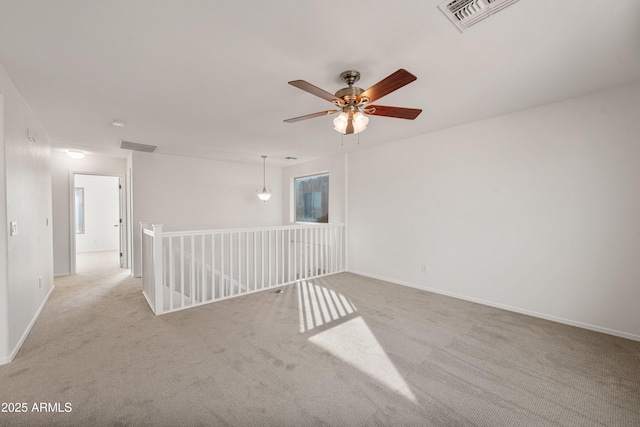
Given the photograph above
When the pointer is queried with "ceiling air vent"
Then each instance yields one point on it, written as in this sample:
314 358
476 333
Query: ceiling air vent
126 145
465 13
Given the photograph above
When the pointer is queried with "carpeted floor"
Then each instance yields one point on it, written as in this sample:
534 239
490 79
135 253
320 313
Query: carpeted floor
341 351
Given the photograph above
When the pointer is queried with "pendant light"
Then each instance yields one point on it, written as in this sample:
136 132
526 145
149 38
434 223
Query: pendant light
264 194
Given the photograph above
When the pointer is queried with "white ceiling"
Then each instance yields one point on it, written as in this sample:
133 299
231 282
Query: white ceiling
209 78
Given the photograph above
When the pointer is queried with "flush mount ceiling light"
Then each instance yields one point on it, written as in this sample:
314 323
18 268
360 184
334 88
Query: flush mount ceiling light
353 101
118 123
75 154
264 194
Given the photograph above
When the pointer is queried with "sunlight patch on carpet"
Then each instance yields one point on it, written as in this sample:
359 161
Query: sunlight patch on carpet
354 343
318 306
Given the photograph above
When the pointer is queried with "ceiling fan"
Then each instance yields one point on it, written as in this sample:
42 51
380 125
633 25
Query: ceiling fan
353 101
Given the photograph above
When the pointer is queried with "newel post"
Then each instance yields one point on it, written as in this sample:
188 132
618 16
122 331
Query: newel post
157 268
143 225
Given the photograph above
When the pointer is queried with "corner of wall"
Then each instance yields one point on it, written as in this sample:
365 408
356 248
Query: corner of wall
4 304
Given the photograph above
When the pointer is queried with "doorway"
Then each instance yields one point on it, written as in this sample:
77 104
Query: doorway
98 233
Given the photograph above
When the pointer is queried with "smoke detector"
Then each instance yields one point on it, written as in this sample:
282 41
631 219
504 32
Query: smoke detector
465 13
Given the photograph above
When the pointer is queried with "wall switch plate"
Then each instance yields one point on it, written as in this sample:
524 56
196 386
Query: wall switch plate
13 228
424 268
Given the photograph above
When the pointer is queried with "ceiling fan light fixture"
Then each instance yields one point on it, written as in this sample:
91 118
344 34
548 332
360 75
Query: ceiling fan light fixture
360 122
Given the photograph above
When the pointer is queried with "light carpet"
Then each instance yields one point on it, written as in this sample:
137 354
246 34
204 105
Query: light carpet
343 350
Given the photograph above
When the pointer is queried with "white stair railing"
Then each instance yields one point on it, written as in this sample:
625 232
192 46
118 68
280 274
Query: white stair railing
187 269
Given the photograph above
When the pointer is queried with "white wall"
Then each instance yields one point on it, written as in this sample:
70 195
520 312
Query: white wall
336 166
184 193
4 276
102 213
61 166
26 267
536 211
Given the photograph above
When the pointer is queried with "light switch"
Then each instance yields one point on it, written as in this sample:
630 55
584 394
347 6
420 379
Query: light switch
13 229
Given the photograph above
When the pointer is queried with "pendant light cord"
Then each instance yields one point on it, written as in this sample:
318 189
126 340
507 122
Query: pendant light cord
264 173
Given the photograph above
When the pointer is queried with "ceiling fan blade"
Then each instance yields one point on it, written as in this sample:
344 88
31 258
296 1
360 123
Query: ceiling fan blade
388 84
349 129
397 112
310 116
314 90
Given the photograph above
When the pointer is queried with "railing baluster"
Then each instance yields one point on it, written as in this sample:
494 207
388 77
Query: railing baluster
307 249
331 243
239 280
192 284
288 255
320 251
246 261
172 279
324 251
295 254
213 267
269 255
310 246
262 260
223 288
316 250
231 290
203 279
276 250
255 261
181 271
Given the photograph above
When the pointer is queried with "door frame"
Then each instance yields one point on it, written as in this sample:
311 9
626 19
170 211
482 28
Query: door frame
124 209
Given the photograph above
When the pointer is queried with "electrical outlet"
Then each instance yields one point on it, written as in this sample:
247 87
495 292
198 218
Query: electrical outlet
424 268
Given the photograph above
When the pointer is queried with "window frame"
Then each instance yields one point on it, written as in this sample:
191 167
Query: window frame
295 197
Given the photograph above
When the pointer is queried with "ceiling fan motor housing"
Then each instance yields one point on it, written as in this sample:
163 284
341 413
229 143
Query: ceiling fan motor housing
351 95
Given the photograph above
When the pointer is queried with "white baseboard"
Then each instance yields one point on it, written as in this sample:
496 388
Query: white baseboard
13 353
570 322
62 274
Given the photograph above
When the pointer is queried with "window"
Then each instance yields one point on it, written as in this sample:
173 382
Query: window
312 198
79 203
